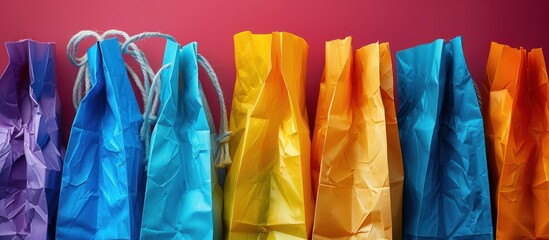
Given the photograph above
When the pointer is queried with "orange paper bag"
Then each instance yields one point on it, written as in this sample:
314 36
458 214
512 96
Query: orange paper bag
538 91
268 187
350 146
514 125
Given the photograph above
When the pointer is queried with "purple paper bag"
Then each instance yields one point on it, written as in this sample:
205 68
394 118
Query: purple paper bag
30 153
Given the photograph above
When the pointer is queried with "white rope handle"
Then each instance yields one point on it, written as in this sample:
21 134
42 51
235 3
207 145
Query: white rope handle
152 90
80 62
222 157
83 76
128 47
72 47
145 35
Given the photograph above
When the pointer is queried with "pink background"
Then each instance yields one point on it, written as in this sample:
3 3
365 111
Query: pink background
213 23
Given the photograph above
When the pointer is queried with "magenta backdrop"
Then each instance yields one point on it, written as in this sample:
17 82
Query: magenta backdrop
213 23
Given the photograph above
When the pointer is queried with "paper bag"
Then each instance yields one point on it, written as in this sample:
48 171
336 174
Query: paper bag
102 185
353 198
30 151
446 192
268 186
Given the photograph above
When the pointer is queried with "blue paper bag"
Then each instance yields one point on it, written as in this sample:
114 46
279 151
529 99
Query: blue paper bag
446 192
102 187
178 199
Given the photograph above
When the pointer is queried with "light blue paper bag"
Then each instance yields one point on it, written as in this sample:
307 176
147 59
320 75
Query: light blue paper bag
179 199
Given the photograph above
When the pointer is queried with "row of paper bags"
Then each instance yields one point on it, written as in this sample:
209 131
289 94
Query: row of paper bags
375 169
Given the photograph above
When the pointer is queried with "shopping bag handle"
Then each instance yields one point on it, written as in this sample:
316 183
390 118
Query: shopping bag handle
127 47
222 157
82 83
152 90
81 63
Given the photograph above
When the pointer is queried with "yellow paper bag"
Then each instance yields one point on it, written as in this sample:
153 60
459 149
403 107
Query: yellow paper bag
268 187
394 154
510 148
353 197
